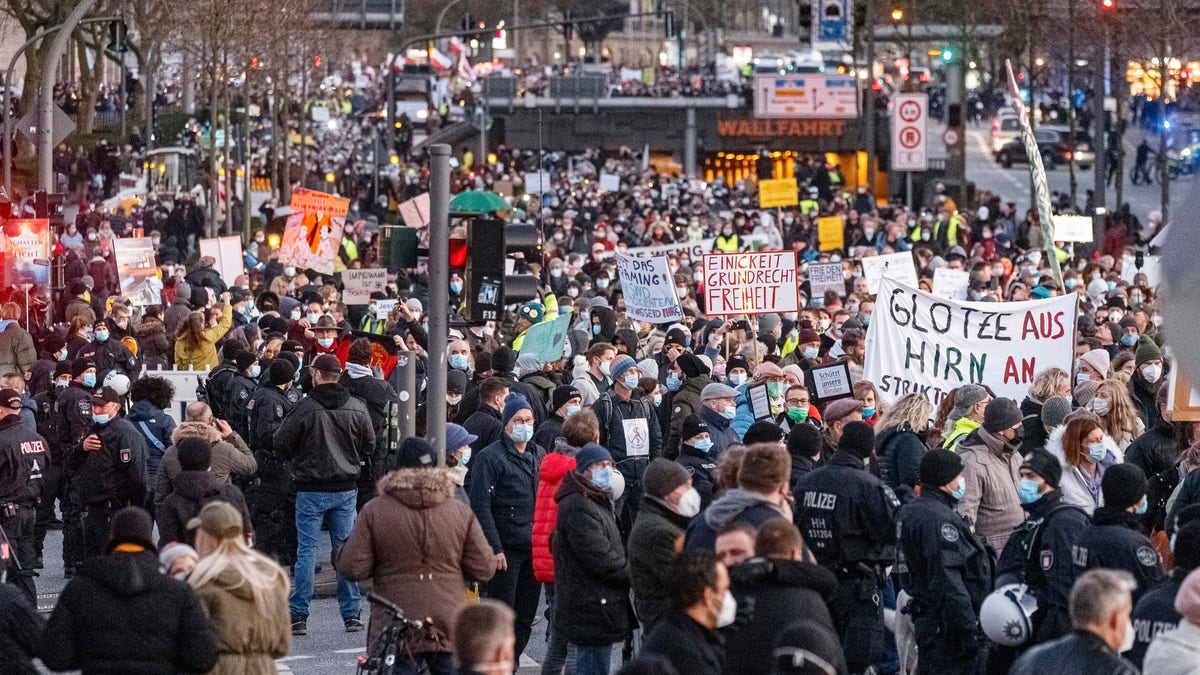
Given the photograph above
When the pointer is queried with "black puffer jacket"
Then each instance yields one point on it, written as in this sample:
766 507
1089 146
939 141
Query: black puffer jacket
900 450
1034 433
119 615
325 436
1153 451
194 489
20 629
591 572
1080 653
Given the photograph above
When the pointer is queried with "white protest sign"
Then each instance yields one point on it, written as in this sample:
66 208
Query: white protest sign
649 289
637 437
921 343
824 277
415 211
227 252
831 382
1073 228
537 182
384 307
358 285
951 284
696 249
1150 267
896 265
750 283
610 182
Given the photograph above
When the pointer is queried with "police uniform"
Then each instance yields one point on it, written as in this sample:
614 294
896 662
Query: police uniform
110 478
271 497
216 388
110 355
50 426
702 468
74 407
1154 614
241 389
848 519
22 462
948 573
1115 541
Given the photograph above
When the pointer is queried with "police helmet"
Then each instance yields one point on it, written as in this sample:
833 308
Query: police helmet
1006 615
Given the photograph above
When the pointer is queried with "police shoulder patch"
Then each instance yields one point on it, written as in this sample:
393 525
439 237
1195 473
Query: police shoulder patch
678 408
126 455
949 532
1047 559
1147 556
278 410
691 470
85 406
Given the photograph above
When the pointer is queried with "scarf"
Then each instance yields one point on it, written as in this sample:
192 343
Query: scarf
355 371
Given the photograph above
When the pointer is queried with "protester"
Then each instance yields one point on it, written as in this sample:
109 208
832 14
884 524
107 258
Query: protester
686 636
764 476
1115 539
991 462
1175 652
900 446
483 643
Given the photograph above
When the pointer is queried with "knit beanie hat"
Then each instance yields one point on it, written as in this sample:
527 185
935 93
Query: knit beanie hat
281 371
649 368
767 369
62 368
619 365
131 525
1045 465
804 440
1055 410
1084 392
858 439
53 343
456 381
243 360
692 426
1000 414
513 404
416 453
767 323
1097 359
1123 486
590 454
78 366
939 467
807 335
737 361
503 359
1187 600
762 431
195 454
662 477
1146 351
562 394
174 551
691 365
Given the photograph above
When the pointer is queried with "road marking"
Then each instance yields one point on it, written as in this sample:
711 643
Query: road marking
294 657
353 650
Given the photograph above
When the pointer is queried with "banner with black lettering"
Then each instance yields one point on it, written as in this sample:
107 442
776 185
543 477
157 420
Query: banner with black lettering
920 342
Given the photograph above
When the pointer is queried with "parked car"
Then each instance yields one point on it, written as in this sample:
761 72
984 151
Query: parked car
1082 149
1005 127
1013 152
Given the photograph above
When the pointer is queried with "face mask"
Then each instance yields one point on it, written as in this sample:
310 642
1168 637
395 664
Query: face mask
260 239
296 315
1129 340
1100 406
522 433
728 610
602 478
602 283
925 236
868 413
573 292
658 399
1142 507
824 323
89 380
689 503
289 272
1070 283
630 381
961 489
774 389
312 318
123 323
572 409
596 329
729 412
866 319
1097 451
325 343
606 368
681 292
101 336
488 331
1152 373
459 361
91 236
61 356
797 414
454 400
62 384
1127 641
1112 285
102 418
255 370
456 287
556 272
1080 378
1027 491
673 382
811 352
737 379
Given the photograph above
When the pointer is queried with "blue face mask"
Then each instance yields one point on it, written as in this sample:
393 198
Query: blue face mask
456 287
255 370
572 409
1173 535
1027 491
325 343
811 352
312 318
658 399
459 361
596 329
1097 451
729 412
673 382
868 413
1143 506
89 380
466 456
61 356
961 489
630 381
602 478
1129 340
101 336
704 445
522 433
102 418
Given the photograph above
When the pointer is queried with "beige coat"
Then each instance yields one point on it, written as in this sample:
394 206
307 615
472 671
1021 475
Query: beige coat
991 469
249 640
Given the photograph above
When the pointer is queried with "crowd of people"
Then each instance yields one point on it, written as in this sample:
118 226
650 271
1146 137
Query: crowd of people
632 482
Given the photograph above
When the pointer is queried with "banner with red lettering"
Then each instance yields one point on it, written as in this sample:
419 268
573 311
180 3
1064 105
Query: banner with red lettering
750 283
918 342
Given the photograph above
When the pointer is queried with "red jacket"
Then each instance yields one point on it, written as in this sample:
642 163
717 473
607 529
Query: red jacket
545 513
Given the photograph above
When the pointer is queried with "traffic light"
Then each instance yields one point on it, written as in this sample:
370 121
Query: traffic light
947 55
487 289
1108 5
669 30
116 37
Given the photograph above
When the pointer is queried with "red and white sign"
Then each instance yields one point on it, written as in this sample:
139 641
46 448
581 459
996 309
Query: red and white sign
909 134
750 283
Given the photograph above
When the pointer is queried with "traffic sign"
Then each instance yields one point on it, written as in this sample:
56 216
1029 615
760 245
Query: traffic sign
910 116
950 137
806 95
62 127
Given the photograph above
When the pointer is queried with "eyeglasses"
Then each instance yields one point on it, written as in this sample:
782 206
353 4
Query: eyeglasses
797 401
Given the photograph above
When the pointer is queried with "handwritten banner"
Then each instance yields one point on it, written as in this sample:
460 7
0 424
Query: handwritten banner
313 232
648 289
896 265
750 283
694 248
359 284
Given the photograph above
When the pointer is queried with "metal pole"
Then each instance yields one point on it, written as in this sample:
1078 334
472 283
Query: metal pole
405 377
46 102
689 144
439 296
483 112
1100 143
869 103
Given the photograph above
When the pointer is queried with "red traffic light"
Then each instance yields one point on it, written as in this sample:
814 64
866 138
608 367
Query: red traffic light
1108 4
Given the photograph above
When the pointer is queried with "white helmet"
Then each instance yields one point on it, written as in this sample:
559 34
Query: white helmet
118 381
1006 615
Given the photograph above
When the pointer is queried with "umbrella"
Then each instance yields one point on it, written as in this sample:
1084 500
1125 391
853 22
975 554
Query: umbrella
472 202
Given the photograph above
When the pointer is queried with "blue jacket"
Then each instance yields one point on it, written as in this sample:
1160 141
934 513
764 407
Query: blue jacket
156 426
720 429
502 486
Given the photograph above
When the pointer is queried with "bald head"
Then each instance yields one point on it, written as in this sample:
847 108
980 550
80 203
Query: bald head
199 411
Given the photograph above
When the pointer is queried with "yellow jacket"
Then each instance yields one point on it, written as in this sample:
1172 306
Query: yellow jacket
203 356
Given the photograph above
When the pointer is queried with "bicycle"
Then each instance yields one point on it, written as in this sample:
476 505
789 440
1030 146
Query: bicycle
400 631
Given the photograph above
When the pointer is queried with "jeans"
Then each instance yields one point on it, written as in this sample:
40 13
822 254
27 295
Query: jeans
517 588
590 660
560 656
428 663
311 511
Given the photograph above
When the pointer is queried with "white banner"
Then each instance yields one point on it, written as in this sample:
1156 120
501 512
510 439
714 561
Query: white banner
649 289
750 283
359 284
694 248
896 265
951 284
1073 228
921 343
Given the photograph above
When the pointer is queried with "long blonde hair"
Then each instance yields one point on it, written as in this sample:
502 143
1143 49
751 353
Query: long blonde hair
1121 420
256 570
912 409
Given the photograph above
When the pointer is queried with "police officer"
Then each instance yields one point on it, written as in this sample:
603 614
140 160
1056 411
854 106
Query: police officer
945 568
848 518
22 462
51 426
216 386
378 396
109 353
1115 538
240 389
112 472
271 497
293 393
1038 553
75 410
1155 611
695 454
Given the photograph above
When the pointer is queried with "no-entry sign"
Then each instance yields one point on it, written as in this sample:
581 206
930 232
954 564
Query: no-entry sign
909 142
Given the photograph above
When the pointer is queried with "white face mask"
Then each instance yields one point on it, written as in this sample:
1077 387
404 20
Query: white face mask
728 610
689 503
1152 372
1100 406
1127 641
604 367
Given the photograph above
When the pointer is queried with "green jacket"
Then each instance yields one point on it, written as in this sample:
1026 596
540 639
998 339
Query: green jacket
962 427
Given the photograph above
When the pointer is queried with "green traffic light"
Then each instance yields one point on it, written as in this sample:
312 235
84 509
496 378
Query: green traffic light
947 55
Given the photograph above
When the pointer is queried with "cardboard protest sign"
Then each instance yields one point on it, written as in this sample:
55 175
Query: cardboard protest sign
26 251
750 283
358 285
832 382
951 284
824 277
777 193
695 249
896 265
921 343
313 232
415 211
1183 401
137 270
227 251
649 289
548 339
831 233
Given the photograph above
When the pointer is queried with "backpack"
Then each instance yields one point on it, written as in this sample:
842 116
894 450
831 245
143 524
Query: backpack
1030 533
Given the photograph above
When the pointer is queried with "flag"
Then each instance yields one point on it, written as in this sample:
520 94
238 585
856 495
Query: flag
457 47
439 60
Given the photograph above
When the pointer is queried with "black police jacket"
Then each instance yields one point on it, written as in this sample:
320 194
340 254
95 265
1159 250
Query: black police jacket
75 408
945 566
216 388
701 466
1079 653
847 516
117 471
22 461
1154 613
1115 541
237 406
110 355
268 406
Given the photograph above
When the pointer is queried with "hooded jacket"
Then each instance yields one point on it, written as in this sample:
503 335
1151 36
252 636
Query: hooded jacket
685 402
153 346
962 426
654 541
736 505
991 468
326 436
545 513
249 638
229 456
419 546
1154 451
1072 483
900 451
120 615
194 489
